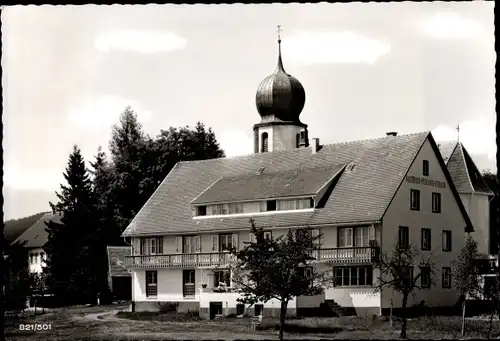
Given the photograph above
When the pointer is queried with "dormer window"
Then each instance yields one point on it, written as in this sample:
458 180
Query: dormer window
271 205
201 210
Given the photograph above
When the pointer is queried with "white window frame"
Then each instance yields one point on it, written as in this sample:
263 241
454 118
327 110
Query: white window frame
436 202
153 283
364 234
229 242
152 246
219 273
446 240
414 203
346 237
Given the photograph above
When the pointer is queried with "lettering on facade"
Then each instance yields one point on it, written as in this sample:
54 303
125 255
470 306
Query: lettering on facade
421 181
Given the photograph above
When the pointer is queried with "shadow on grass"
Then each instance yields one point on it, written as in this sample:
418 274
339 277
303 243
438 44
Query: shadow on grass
300 329
155 316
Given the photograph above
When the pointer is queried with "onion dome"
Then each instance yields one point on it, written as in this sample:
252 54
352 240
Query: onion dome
280 94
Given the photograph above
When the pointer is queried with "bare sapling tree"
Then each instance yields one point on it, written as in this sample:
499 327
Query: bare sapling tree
397 272
465 275
280 268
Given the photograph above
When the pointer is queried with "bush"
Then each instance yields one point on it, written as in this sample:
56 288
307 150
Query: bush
168 307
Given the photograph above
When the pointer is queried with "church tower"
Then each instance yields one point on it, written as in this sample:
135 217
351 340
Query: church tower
280 99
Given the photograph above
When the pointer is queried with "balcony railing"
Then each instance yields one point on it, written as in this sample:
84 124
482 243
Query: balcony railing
179 260
348 255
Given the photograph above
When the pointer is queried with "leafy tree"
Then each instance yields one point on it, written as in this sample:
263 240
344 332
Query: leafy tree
274 268
69 264
465 275
16 276
397 272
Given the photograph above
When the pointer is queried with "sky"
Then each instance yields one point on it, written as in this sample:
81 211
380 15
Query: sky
367 68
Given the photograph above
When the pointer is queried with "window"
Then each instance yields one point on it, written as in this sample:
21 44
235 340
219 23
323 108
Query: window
235 208
259 309
294 204
219 209
265 142
201 210
240 309
446 280
222 278
361 237
297 141
436 202
152 246
446 240
425 277
345 237
31 258
403 237
151 283
306 273
425 168
271 205
267 234
191 244
226 242
353 276
414 200
188 282
426 239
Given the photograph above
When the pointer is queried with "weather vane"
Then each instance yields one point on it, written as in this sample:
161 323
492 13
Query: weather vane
279 33
458 132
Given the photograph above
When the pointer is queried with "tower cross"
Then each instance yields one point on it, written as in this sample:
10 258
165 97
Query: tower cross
279 33
458 132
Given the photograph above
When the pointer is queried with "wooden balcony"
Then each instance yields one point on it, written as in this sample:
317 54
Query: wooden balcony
346 255
350 255
179 260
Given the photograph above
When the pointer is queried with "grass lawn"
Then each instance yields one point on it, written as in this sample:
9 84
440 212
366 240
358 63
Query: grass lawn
106 324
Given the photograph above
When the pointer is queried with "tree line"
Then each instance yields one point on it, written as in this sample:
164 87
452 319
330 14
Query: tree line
97 203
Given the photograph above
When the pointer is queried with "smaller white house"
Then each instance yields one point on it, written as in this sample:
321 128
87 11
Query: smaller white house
35 238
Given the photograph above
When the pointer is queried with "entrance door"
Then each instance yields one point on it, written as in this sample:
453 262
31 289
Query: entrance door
215 309
188 282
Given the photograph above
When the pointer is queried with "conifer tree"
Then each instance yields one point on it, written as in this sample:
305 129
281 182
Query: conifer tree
70 267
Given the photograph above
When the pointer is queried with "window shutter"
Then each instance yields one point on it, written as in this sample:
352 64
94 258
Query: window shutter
251 237
371 233
315 234
136 246
159 242
178 243
197 242
215 243
235 241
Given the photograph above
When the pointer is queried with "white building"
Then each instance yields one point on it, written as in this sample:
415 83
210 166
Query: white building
35 238
361 196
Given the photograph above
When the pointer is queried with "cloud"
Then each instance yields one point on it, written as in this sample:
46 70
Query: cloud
477 136
26 179
141 41
104 112
450 25
235 143
333 47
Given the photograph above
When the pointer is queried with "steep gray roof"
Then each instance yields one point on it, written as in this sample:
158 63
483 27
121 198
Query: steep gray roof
116 260
463 170
362 193
35 235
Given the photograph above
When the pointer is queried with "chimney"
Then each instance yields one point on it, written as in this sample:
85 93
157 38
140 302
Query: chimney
315 145
392 133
